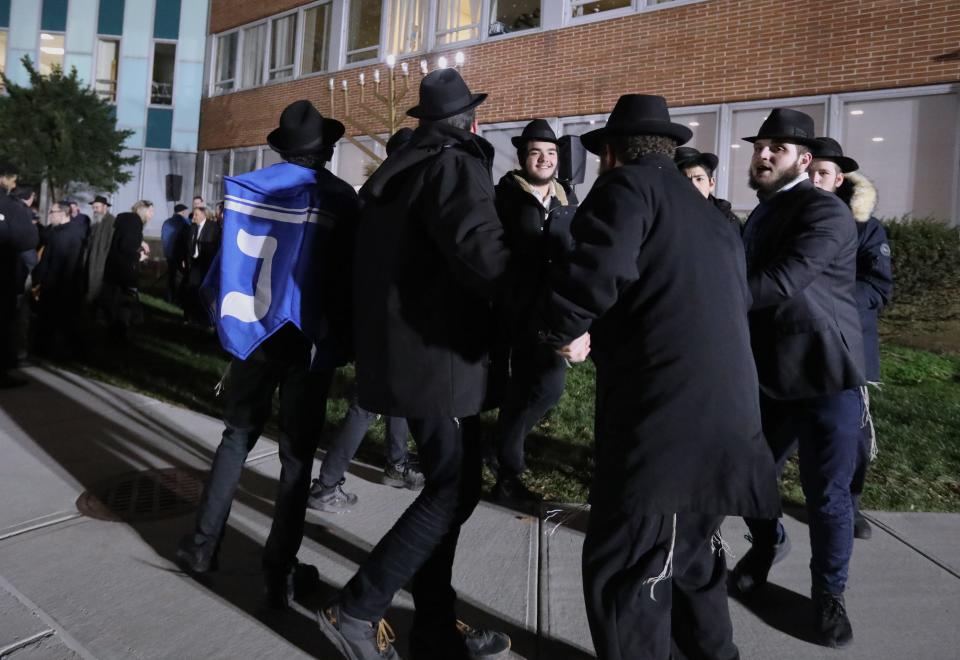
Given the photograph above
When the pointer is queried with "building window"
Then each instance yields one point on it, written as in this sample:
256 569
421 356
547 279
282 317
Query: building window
51 52
3 54
244 161
504 153
407 26
744 124
106 78
218 164
316 38
906 146
354 165
254 52
270 157
225 64
363 33
506 17
458 20
164 60
283 32
582 8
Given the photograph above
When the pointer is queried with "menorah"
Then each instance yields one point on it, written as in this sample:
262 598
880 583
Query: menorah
398 85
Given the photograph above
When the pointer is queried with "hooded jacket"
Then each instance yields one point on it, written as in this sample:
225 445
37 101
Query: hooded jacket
874 271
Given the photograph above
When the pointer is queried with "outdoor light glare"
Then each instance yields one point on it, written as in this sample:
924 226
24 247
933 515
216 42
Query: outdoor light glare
856 113
46 37
404 68
362 78
442 62
376 76
458 58
330 85
391 60
694 123
877 139
423 67
734 146
51 51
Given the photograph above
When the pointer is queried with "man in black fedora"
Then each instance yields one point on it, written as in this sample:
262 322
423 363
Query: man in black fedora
801 246
430 260
298 357
700 168
834 172
535 210
98 246
657 278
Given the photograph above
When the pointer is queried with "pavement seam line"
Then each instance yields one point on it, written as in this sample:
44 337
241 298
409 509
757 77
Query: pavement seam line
10 649
47 523
926 555
542 604
68 639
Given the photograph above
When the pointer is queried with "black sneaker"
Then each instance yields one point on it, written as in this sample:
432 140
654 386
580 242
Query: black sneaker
194 558
357 639
331 500
861 526
300 581
751 571
509 489
457 642
832 622
403 475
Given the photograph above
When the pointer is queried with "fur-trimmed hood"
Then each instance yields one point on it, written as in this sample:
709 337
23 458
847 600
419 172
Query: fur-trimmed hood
859 194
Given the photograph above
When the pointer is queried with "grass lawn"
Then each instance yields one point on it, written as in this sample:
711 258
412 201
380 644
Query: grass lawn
916 412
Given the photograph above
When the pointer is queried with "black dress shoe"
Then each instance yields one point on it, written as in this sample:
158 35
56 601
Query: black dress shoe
509 489
832 622
196 559
282 587
750 573
861 527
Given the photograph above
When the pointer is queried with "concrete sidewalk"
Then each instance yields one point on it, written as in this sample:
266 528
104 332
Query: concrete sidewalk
74 586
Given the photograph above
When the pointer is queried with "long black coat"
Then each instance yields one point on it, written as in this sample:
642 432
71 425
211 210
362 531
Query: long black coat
804 324
123 258
657 276
430 258
59 273
17 234
208 240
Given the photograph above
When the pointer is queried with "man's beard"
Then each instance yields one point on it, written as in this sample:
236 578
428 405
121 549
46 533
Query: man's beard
97 217
767 189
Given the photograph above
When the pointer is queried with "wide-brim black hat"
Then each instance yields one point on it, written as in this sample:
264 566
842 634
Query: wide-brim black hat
101 199
787 125
443 93
829 149
303 130
686 157
637 114
538 130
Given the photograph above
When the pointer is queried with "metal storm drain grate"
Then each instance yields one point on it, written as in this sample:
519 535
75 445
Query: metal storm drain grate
148 495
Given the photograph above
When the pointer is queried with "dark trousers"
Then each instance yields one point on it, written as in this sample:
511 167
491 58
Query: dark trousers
345 445
827 432
688 619
420 547
283 361
537 378
173 269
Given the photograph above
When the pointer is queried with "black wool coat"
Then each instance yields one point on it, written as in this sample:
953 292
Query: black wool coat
208 238
430 259
657 276
123 258
802 267
17 234
59 273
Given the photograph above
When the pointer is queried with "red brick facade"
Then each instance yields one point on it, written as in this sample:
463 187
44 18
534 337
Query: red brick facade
708 52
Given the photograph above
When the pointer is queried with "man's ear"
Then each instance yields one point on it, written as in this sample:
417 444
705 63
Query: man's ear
839 179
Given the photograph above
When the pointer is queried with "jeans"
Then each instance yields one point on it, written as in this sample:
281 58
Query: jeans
420 547
282 361
828 433
537 378
348 440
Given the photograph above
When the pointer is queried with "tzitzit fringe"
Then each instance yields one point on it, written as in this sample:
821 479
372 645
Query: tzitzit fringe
667 565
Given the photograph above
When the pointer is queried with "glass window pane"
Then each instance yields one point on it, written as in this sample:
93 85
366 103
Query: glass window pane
906 147
282 35
458 20
355 166
164 58
3 52
592 168
746 123
217 165
408 21
51 52
270 157
254 49
505 154
513 15
244 161
589 8
363 31
106 77
316 37
226 62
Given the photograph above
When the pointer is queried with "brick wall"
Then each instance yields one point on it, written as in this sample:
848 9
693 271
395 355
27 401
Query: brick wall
708 52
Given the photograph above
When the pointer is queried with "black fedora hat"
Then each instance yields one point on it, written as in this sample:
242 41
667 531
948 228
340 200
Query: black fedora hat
303 130
787 125
637 114
829 149
538 129
443 93
686 157
101 199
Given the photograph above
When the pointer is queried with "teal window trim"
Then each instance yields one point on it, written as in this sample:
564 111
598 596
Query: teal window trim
110 18
159 133
166 19
53 17
4 14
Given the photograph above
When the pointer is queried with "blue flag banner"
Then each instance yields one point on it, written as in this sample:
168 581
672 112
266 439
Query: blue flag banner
266 274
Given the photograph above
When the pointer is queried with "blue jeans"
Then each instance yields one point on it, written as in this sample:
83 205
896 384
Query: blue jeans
420 547
828 433
347 442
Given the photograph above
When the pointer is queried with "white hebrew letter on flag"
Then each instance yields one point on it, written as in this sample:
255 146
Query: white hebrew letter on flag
242 306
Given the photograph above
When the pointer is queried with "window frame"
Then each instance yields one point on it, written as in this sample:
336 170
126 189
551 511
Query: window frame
332 58
40 34
235 80
96 65
297 48
173 81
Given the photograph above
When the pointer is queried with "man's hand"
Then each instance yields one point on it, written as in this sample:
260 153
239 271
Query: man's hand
577 350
